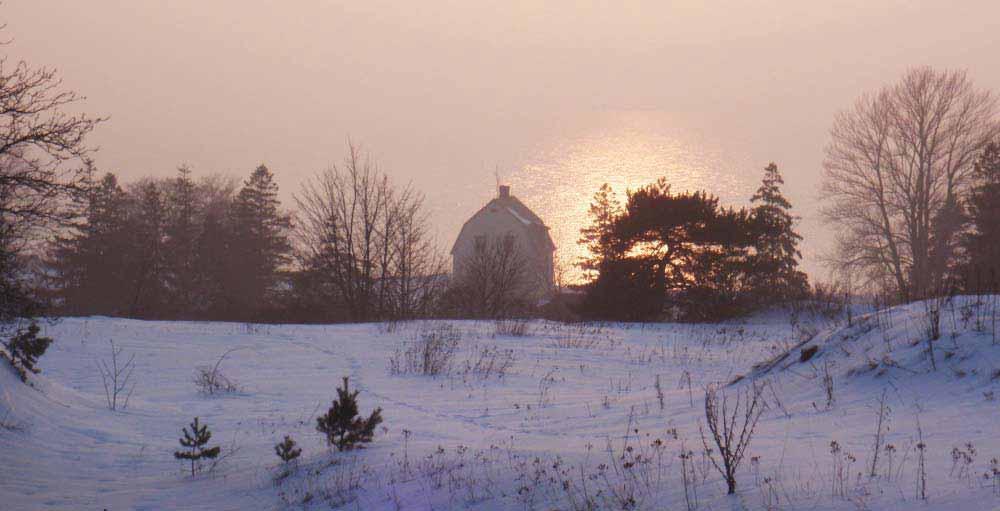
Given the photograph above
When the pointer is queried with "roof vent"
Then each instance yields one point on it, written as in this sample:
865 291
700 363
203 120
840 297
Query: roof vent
504 191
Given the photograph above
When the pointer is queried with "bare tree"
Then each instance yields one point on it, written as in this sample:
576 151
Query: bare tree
496 281
117 378
896 168
45 170
44 160
731 437
368 240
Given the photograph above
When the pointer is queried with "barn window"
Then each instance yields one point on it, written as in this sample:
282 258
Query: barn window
508 241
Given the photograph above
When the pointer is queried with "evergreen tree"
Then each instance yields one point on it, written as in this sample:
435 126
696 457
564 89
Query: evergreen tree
342 425
287 450
146 252
24 349
17 299
774 272
598 238
982 243
667 253
180 243
195 441
90 264
215 263
260 243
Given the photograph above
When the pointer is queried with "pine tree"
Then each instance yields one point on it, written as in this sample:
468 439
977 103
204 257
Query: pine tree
24 349
982 243
599 236
287 450
342 425
260 240
195 441
774 272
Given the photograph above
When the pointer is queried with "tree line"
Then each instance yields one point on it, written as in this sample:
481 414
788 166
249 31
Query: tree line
180 248
911 185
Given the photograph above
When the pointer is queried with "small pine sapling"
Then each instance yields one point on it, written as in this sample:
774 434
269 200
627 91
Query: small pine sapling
287 450
195 441
24 349
341 424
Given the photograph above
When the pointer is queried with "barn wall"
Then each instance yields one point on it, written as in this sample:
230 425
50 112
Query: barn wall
495 222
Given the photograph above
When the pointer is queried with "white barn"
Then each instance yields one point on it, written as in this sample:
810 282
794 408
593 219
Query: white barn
504 217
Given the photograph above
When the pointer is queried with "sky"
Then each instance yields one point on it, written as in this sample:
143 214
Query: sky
555 97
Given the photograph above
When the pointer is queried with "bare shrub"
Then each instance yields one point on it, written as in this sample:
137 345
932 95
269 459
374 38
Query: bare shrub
880 430
431 354
210 379
826 380
993 475
254 329
659 392
513 327
572 341
842 462
921 463
731 438
932 326
489 361
689 477
117 378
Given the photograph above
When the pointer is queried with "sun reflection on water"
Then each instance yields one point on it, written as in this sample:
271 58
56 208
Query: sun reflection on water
625 150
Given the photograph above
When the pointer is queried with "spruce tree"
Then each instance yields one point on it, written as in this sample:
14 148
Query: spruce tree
774 267
180 243
599 235
260 240
982 242
195 441
342 425
146 252
287 450
89 264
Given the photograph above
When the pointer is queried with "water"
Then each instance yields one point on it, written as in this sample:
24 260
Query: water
626 149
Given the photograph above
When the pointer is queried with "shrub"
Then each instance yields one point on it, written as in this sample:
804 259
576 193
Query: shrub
430 354
195 442
24 349
488 361
731 429
514 327
210 379
342 425
287 449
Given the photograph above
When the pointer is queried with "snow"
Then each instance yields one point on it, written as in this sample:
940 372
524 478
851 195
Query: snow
577 398
520 218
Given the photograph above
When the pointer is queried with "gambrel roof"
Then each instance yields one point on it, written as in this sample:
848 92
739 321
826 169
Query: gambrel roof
538 232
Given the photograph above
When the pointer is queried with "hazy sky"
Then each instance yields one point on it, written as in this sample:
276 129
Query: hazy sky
444 92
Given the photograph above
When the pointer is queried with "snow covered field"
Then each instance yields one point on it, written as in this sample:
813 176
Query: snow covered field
575 422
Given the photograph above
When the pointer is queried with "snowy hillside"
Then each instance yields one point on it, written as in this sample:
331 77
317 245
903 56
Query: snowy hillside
567 417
